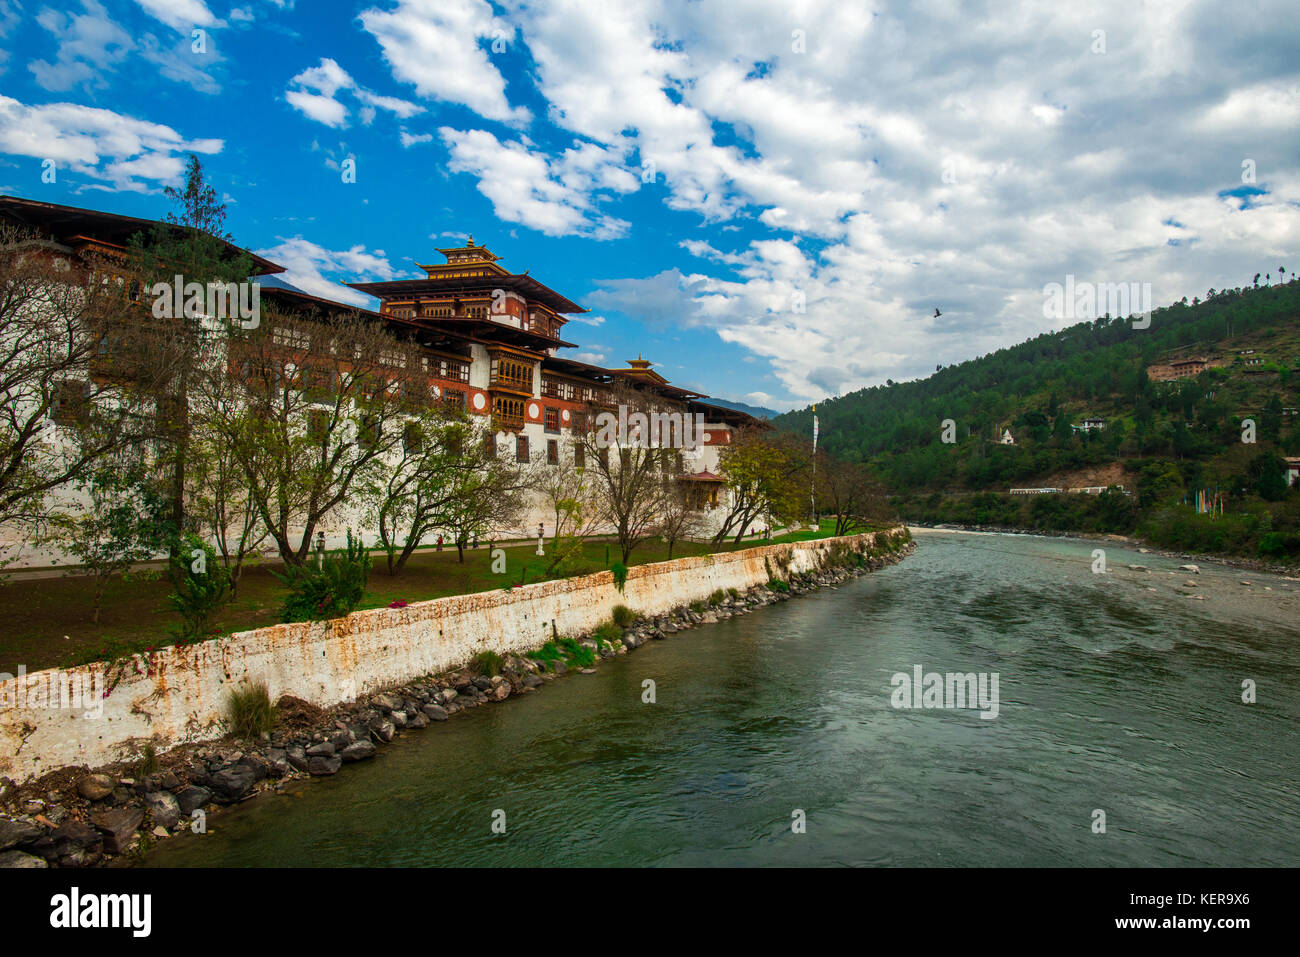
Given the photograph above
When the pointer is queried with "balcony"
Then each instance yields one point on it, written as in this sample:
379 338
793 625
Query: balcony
522 384
507 422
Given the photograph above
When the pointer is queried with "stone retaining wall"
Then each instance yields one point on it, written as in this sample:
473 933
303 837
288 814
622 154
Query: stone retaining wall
177 694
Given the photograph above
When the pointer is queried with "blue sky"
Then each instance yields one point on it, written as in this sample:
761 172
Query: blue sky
769 199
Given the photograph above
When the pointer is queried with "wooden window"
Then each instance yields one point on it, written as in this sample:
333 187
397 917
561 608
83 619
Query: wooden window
552 419
412 439
70 402
580 456
552 452
521 449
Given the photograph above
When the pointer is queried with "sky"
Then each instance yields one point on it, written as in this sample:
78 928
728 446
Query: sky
771 199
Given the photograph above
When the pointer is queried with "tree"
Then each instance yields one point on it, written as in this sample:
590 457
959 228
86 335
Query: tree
126 523
487 497
324 404
848 491
79 374
679 519
763 473
626 470
192 244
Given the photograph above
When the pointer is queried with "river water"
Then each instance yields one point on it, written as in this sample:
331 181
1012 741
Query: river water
1117 692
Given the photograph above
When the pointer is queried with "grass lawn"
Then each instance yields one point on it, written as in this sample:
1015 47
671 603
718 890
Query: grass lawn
47 622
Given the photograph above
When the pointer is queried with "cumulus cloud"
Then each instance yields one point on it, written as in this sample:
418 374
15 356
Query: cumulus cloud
314 94
128 153
89 45
321 272
910 160
182 15
556 196
435 46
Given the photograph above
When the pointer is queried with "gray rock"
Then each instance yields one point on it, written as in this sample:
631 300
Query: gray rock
417 720
18 859
14 833
324 750
163 807
320 765
192 798
96 787
358 751
382 729
435 712
297 758
384 703
232 783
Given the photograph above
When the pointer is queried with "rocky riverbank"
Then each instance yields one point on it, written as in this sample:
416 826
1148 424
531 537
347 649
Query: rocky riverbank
78 817
1227 561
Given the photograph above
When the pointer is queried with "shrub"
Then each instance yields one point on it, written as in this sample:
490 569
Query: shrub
777 585
623 616
620 575
330 590
576 655
546 654
734 593
249 712
201 583
486 663
697 607
718 597
148 763
606 633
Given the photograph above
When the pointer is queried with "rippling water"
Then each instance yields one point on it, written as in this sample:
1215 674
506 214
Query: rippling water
1117 692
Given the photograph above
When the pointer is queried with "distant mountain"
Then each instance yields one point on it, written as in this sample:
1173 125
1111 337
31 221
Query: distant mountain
1042 390
755 410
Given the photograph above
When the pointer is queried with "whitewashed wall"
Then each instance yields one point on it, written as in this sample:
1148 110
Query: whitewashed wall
178 695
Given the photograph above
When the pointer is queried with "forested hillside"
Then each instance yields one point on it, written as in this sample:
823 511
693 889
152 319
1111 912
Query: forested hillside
1162 440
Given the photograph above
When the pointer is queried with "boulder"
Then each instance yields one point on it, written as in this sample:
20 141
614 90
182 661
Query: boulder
15 833
163 808
118 826
192 798
96 787
322 750
18 859
358 751
320 765
382 729
232 783
435 712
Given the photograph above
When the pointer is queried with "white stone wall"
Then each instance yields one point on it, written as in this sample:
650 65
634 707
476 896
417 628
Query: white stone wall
178 693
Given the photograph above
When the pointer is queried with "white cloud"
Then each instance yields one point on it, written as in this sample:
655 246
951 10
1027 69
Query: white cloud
182 15
90 45
313 93
434 45
591 358
413 139
587 320
129 153
553 196
307 263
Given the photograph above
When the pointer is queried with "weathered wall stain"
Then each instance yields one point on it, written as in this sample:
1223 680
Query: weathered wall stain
177 694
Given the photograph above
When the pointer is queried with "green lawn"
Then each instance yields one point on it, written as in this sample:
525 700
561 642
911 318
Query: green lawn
47 622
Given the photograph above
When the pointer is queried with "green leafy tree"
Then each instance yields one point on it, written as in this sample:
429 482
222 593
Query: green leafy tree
200 585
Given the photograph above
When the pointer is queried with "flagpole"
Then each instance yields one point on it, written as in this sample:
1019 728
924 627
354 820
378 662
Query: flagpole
813 491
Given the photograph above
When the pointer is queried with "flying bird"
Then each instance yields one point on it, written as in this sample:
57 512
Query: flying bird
937 313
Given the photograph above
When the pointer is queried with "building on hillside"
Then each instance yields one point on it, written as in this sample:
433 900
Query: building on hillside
490 342
1184 368
1090 424
1007 437
1292 470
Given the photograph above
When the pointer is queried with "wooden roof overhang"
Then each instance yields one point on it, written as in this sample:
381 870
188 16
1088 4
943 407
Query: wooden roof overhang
63 223
522 283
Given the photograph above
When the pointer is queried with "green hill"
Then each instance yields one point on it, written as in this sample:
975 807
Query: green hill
1161 440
